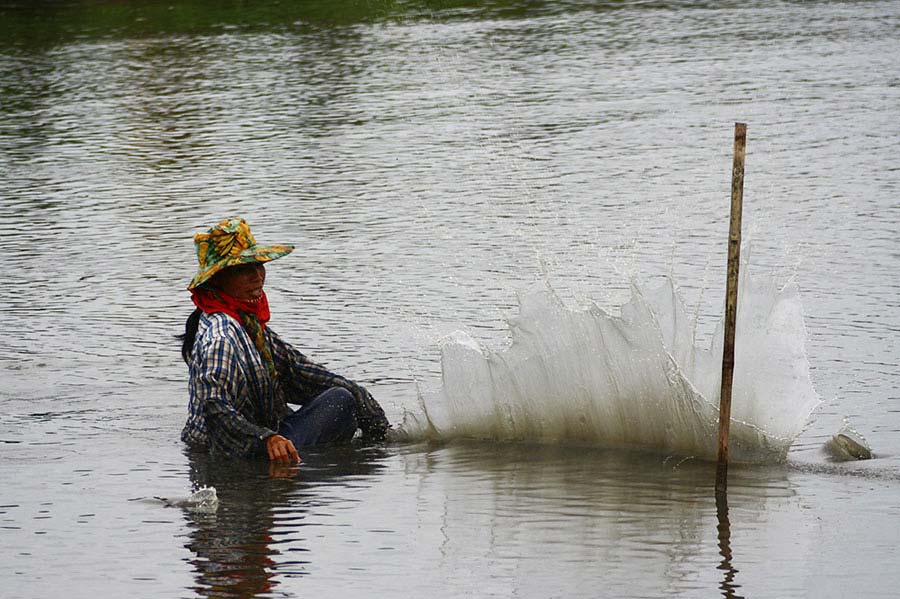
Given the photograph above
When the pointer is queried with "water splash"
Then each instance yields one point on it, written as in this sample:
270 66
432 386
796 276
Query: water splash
635 380
204 500
849 444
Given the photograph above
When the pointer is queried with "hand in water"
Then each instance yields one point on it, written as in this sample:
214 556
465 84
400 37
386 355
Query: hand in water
281 450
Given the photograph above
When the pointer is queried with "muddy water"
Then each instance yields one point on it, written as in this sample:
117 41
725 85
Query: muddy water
431 161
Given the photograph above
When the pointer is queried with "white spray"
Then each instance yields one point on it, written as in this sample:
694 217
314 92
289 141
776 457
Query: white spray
634 380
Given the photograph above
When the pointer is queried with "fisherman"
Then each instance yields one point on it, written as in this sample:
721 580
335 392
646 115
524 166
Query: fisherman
243 375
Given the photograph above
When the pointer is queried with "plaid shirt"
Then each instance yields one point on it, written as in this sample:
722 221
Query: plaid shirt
235 405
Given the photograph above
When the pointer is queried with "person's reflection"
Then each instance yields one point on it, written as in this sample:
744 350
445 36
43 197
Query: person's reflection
235 552
728 586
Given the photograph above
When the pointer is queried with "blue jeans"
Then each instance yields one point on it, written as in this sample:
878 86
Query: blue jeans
329 418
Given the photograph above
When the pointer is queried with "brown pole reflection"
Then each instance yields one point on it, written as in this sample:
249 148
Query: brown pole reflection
727 586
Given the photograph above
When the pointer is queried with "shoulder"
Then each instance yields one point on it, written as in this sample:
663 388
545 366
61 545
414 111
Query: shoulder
215 325
219 330
219 343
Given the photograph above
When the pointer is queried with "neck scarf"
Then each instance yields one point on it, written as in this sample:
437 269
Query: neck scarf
252 314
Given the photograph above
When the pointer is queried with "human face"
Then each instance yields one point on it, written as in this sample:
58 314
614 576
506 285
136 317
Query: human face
243 282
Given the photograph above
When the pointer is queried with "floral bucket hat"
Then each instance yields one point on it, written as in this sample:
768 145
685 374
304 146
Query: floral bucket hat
230 243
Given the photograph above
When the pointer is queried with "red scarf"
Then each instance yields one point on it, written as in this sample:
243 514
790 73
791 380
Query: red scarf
211 301
252 314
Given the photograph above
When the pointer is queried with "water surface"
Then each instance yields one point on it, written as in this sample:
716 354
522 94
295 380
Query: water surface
431 161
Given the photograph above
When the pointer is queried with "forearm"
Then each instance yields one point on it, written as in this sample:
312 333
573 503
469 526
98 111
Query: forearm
313 379
233 435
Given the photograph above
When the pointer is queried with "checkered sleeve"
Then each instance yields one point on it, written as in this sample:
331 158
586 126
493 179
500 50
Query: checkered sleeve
309 379
219 387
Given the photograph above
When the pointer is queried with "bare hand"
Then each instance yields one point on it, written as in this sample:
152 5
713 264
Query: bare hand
281 450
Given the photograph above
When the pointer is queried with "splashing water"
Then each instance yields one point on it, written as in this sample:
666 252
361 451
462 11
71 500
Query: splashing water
635 380
204 500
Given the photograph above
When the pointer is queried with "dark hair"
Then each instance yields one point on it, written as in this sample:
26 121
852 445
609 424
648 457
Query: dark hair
190 333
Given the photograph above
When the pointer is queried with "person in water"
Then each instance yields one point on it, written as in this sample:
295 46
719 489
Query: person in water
243 375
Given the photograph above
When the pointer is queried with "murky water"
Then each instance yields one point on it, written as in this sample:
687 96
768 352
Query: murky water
431 161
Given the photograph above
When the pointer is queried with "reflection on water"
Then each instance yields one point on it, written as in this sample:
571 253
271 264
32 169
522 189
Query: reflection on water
516 514
501 520
233 547
256 537
729 572
477 513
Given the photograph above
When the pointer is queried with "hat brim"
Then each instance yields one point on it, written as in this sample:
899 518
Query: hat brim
255 254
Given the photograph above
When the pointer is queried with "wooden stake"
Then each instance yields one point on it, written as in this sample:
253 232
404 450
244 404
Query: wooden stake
731 295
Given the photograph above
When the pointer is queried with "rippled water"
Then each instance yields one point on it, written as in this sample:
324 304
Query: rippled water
431 161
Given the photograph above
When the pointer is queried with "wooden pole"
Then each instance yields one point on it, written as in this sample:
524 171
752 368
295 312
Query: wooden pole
731 296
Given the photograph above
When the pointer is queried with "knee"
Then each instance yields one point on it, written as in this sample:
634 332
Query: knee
340 409
339 400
